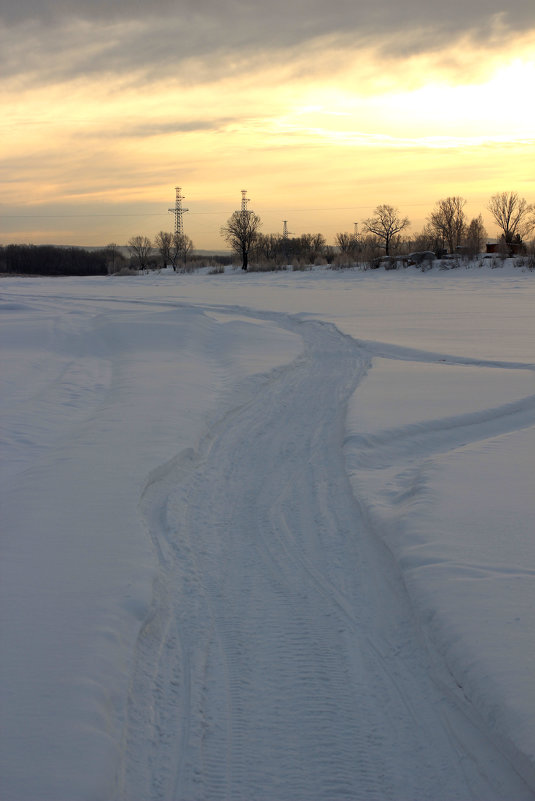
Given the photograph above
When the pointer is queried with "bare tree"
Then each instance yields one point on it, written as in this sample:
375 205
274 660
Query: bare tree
347 244
241 233
513 214
163 242
181 248
311 247
114 257
271 247
427 239
476 236
385 224
448 221
140 248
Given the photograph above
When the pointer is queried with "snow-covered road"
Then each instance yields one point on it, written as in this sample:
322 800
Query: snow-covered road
200 605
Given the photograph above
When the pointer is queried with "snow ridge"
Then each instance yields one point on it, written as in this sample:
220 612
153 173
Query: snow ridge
411 482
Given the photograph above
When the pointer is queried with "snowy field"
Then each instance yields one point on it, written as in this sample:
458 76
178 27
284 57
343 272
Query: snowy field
268 537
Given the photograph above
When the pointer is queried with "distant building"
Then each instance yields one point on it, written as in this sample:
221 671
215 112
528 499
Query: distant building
513 248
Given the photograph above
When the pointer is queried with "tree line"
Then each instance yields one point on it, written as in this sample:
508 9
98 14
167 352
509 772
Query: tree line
447 230
52 260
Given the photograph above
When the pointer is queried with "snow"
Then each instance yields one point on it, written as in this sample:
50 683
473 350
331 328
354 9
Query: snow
268 536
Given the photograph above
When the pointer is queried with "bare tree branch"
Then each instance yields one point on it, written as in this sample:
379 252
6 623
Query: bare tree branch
140 248
513 214
241 233
448 221
386 223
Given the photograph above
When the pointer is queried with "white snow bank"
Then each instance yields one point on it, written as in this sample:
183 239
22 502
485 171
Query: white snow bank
470 567
441 456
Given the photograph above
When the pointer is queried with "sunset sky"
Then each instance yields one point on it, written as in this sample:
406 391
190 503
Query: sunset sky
321 110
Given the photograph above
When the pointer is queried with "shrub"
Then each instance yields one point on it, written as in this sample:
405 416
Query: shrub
265 266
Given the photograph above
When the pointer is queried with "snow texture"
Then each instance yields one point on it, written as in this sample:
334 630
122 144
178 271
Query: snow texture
268 537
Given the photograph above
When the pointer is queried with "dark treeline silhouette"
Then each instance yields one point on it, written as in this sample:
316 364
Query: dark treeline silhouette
307 248
447 234
52 260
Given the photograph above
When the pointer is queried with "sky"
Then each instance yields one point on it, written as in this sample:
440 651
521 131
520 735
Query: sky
321 111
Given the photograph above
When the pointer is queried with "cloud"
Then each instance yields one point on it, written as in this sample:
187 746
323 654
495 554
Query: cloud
114 101
278 22
144 130
54 41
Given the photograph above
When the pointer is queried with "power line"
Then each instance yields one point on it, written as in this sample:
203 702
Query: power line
196 213
77 216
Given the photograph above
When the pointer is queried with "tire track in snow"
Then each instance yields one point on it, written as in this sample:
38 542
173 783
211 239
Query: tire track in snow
280 659
416 441
420 440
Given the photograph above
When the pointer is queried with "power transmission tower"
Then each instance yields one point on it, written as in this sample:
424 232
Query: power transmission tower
178 211
285 235
285 232
244 201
